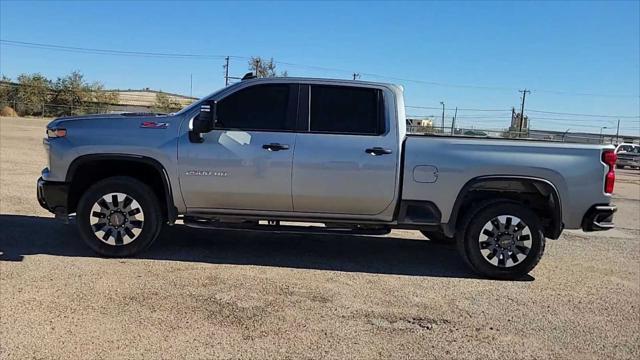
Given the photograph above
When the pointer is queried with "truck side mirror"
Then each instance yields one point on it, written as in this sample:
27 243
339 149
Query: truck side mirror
205 121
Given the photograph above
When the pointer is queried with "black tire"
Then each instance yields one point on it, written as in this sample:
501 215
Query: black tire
146 230
477 253
438 237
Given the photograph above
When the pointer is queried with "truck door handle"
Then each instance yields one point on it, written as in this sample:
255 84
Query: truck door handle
275 147
375 151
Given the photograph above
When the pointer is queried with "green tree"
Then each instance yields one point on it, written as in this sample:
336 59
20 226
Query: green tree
7 92
165 104
100 98
264 68
74 96
32 93
70 94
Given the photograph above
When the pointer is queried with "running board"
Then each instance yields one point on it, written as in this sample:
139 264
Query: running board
274 226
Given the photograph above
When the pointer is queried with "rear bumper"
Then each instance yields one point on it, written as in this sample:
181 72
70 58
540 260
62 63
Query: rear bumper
598 218
53 197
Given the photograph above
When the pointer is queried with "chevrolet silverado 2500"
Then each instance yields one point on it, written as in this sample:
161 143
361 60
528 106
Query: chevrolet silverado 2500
263 152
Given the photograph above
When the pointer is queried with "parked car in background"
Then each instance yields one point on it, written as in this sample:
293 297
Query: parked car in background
628 155
626 147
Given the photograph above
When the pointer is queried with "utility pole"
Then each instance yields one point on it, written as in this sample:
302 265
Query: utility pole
226 71
524 95
257 66
356 76
453 123
442 103
618 132
190 85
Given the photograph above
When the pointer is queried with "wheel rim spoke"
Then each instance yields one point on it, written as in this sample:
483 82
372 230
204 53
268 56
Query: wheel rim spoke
127 201
129 233
103 204
507 224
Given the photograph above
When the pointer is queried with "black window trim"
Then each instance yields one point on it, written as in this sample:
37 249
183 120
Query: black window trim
292 108
305 110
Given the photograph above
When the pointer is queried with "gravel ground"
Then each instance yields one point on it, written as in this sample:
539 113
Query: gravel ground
225 294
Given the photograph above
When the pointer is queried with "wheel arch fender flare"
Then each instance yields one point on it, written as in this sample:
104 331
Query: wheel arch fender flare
172 212
450 227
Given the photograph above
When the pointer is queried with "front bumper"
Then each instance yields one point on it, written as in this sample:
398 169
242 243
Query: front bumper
599 217
53 197
628 162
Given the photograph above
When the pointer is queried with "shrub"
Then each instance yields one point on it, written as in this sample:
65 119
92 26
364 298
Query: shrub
8 111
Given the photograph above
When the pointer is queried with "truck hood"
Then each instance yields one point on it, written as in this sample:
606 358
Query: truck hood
133 116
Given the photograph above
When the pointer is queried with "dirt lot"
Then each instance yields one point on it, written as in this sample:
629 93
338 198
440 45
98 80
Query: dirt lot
217 294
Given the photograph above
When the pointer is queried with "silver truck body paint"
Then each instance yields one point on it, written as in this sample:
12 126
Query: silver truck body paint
326 176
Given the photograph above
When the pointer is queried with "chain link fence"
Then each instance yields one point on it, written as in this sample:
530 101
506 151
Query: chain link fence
47 110
53 110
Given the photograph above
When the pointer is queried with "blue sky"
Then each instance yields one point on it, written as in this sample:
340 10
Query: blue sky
576 57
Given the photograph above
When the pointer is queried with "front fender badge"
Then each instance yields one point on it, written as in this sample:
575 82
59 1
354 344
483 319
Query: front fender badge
154 125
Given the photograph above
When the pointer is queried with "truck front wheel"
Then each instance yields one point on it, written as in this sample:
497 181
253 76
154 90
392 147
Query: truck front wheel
501 239
119 216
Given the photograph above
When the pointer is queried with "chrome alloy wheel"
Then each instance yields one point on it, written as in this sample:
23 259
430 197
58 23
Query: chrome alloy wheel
505 241
117 219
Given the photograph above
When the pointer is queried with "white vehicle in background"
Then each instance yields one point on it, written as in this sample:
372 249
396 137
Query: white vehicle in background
628 155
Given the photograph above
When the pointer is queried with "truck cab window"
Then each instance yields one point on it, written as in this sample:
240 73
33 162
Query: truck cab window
259 107
346 110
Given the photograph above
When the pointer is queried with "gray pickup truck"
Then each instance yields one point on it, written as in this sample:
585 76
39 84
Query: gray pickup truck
278 154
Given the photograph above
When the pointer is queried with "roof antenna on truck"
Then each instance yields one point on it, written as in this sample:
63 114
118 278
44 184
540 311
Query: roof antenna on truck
248 76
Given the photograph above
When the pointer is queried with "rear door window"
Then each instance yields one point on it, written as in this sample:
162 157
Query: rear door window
346 110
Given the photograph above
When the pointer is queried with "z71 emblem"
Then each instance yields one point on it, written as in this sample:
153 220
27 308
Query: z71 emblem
154 125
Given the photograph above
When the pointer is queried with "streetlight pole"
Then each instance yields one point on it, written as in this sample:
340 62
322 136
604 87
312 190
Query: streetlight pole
453 122
602 128
442 103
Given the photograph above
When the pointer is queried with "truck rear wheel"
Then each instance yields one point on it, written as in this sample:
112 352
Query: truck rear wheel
119 216
501 239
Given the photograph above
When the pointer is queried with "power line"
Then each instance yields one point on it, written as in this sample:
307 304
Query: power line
569 119
531 110
205 56
105 51
438 108
590 115
557 92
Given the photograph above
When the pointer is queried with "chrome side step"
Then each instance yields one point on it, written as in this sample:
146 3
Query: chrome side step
275 226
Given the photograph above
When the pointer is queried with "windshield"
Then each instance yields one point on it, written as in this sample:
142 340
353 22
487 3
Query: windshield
629 148
196 104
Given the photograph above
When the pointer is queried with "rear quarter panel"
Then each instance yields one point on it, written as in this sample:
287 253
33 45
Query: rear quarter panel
575 170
